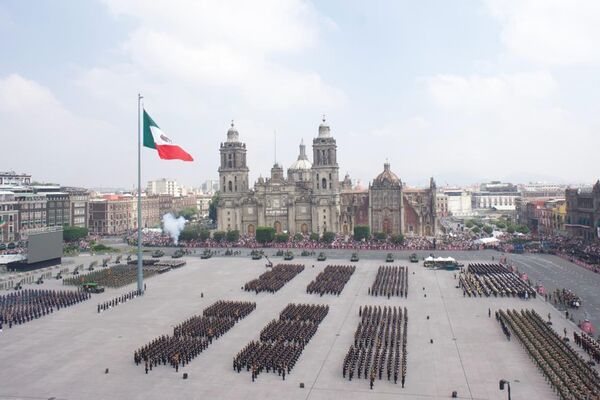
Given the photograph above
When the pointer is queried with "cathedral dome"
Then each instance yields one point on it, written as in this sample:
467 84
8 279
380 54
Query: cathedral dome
387 177
302 162
232 134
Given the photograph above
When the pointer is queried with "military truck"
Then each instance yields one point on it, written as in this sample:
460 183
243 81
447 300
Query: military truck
413 258
178 254
354 257
288 256
321 257
206 254
92 287
389 257
158 254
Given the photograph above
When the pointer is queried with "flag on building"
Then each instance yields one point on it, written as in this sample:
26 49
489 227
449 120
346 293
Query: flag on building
155 138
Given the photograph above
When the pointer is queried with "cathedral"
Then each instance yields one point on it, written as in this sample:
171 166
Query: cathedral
311 198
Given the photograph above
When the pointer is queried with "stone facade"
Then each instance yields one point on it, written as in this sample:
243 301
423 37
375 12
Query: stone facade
583 212
311 199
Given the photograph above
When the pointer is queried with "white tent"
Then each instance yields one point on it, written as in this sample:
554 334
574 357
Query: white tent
490 240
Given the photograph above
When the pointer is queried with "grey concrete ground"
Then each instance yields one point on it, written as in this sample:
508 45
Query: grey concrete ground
64 355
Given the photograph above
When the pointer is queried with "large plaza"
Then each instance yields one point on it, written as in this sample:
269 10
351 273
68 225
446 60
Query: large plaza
453 345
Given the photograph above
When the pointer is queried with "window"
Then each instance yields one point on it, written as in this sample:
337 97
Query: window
324 183
230 186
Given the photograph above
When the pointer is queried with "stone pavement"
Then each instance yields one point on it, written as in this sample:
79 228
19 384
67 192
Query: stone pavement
64 355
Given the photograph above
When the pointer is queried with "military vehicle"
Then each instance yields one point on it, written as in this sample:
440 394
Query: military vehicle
389 257
354 257
178 254
206 254
158 254
321 257
288 256
256 254
92 287
413 258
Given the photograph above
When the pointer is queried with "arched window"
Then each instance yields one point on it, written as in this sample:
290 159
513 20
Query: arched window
324 183
224 187
230 186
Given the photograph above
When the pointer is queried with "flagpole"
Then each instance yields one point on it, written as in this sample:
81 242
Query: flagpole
140 274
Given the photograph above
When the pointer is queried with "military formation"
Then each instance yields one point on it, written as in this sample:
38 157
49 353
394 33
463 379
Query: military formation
107 305
566 371
192 336
282 341
379 347
274 279
112 277
332 280
588 344
493 280
390 281
29 304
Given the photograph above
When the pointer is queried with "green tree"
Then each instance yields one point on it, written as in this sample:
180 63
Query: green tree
314 237
362 232
398 239
327 237
204 234
476 229
72 233
298 237
219 235
522 229
282 237
233 236
510 229
212 207
488 229
265 234
190 232
500 225
381 236
188 213
469 223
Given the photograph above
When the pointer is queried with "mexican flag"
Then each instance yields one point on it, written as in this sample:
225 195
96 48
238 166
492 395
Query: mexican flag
155 138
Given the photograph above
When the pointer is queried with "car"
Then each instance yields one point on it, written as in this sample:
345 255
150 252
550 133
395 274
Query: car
158 254
92 287
321 257
288 256
389 257
413 258
354 257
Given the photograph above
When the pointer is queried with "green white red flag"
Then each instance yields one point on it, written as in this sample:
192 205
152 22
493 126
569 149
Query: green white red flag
155 138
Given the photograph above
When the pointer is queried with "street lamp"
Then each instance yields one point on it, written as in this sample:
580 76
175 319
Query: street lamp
505 382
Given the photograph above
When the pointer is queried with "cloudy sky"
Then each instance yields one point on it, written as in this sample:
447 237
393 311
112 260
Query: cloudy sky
460 90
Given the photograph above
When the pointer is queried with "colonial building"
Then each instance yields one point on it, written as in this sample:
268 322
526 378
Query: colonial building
311 197
583 212
9 217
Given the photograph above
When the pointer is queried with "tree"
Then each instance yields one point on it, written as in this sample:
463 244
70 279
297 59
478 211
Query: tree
381 236
72 233
282 237
204 234
327 237
488 229
298 237
522 229
190 232
219 235
476 229
233 236
265 234
510 229
188 213
362 232
500 225
314 237
398 239
469 223
212 207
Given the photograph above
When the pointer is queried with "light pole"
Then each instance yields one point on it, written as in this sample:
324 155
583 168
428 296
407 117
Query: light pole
505 382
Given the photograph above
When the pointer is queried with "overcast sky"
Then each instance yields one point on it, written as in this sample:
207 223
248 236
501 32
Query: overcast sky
460 90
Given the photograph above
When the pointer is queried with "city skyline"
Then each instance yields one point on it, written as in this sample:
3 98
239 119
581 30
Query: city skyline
465 94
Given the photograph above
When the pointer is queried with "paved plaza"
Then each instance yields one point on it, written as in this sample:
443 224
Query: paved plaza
64 355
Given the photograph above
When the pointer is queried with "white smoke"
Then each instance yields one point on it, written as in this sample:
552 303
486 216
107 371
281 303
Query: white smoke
173 226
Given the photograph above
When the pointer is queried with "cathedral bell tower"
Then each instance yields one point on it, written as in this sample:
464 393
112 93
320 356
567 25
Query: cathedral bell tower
326 184
233 180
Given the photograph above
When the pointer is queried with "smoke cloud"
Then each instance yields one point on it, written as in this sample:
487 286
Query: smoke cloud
173 226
